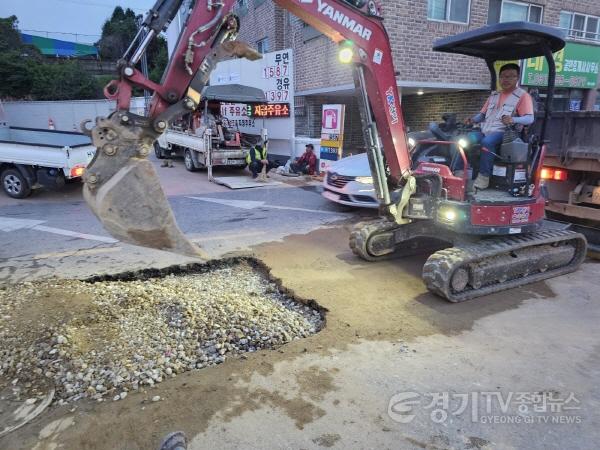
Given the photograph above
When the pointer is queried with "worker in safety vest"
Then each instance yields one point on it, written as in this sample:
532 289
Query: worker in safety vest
512 105
257 159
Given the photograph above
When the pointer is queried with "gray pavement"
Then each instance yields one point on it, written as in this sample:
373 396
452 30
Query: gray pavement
53 233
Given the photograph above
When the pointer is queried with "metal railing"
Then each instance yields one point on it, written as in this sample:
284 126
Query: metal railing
580 35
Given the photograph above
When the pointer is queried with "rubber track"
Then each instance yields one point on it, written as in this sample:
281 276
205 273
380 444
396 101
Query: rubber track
362 231
439 268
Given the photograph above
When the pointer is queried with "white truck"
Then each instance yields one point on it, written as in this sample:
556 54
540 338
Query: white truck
197 146
206 138
31 158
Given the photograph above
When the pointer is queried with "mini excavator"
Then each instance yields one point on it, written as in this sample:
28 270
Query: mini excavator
482 241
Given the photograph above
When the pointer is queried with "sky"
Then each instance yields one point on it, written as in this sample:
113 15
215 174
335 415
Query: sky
70 20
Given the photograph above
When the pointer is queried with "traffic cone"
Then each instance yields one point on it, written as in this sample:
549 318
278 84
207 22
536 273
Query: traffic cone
51 124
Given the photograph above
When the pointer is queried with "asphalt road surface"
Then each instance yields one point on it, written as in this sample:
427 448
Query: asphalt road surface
55 233
394 368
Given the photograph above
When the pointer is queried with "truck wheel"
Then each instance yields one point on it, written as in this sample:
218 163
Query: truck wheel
188 160
158 150
14 184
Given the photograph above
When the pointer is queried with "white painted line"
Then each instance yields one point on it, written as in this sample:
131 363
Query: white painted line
243 204
85 252
8 224
250 204
90 237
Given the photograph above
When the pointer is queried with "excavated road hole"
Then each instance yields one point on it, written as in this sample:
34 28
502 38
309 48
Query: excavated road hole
110 335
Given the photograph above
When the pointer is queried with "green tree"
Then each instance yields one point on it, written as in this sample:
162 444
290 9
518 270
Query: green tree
118 33
17 61
157 59
10 39
25 74
63 81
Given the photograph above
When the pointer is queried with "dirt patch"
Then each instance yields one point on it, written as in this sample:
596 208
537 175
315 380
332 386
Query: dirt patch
315 382
327 440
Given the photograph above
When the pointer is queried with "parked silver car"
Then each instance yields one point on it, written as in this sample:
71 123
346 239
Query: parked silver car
349 182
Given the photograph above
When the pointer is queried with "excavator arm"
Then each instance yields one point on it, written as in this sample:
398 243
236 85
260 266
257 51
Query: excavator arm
121 185
357 26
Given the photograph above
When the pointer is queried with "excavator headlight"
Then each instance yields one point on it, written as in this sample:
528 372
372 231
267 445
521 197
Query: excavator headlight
450 215
346 53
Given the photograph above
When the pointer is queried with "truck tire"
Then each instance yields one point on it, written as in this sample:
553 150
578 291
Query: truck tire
188 160
14 184
158 151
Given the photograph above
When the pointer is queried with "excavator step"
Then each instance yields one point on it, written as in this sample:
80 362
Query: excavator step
491 265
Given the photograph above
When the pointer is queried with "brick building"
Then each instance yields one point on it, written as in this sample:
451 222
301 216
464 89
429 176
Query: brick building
430 83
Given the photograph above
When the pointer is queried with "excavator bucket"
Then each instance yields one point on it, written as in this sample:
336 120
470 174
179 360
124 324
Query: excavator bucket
123 189
121 185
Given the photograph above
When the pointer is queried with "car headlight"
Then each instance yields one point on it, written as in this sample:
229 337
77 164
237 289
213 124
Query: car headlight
364 180
411 143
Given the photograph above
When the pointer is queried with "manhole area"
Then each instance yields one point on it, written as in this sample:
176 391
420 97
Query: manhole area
105 339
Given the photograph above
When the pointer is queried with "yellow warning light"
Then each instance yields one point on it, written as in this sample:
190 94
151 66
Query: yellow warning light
346 54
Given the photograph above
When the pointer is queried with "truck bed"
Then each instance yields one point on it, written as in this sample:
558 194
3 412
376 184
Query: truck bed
574 134
45 148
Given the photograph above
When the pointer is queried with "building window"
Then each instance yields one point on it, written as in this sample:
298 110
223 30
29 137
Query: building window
241 7
580 26
511 11
263 45
449 10
309 33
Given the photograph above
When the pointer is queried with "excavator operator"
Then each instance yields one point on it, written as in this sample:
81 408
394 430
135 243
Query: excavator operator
512 105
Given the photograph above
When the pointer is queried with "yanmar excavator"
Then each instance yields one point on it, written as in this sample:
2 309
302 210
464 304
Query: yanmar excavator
490 240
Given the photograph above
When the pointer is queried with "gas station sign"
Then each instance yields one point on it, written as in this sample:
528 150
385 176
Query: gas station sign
332 135
269 111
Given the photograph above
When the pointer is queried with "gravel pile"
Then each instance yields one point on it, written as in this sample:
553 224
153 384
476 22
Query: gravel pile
102 340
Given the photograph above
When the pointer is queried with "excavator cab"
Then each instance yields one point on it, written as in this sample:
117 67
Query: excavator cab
479 241
519 156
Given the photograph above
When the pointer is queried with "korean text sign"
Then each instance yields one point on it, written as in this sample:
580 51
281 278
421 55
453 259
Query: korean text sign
577 66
